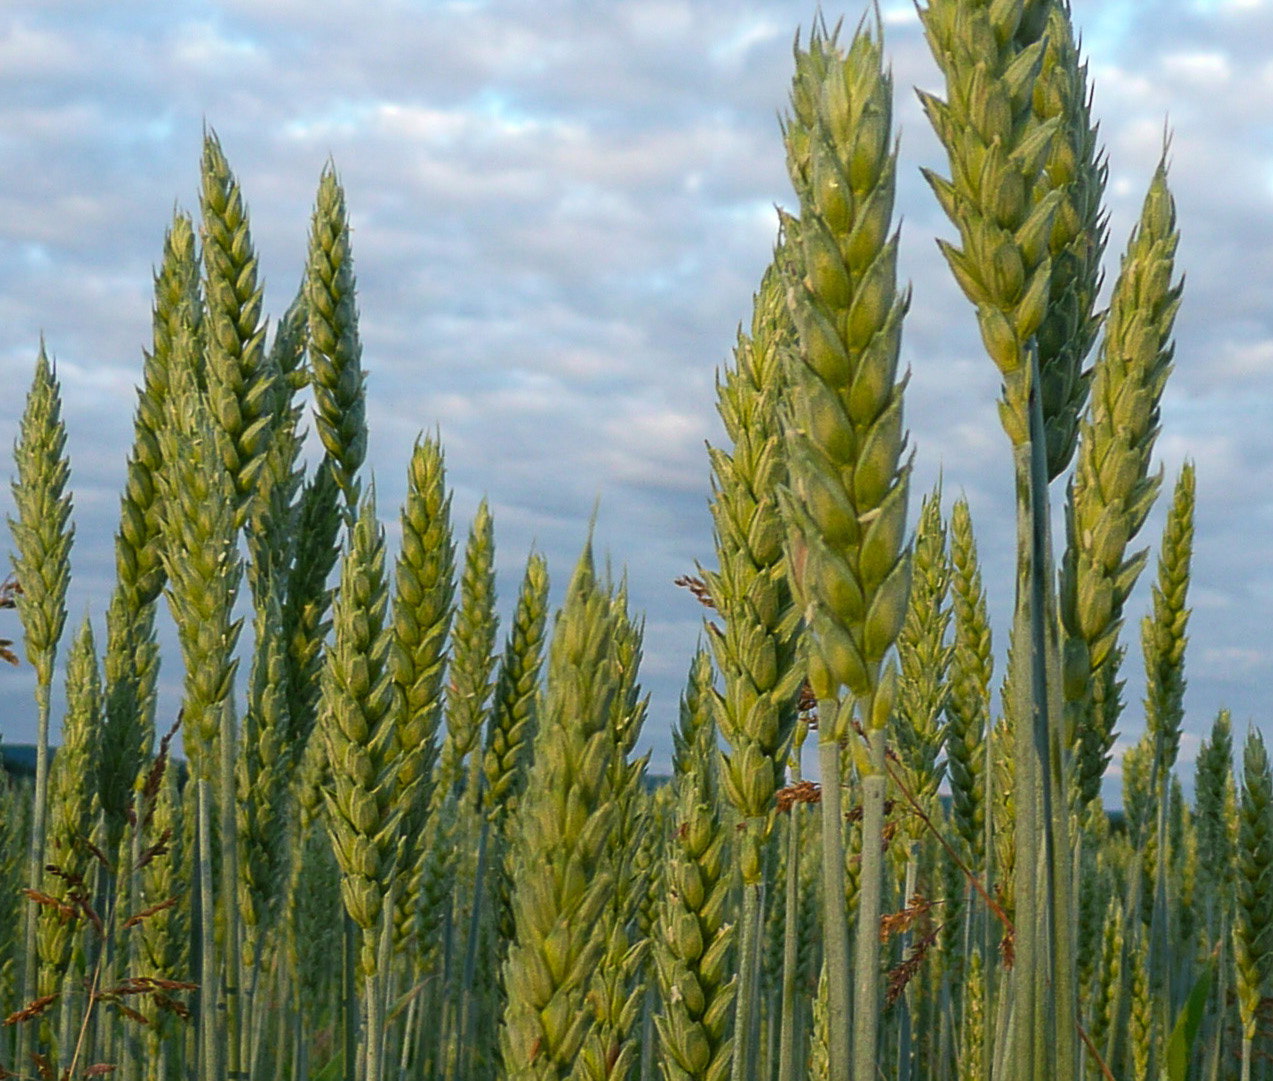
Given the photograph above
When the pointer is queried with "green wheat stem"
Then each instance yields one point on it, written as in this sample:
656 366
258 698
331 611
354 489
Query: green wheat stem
203 571
789 1037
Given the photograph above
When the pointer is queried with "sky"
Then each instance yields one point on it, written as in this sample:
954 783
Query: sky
560 213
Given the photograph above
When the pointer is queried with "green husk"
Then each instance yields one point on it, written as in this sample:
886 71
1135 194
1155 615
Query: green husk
756 650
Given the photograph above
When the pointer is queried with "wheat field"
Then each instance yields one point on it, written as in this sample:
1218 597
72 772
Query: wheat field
408 842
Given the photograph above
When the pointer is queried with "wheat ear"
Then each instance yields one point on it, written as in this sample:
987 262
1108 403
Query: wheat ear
847 488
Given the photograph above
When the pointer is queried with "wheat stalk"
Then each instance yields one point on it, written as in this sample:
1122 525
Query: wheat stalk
756 649
42 534
359 709
845 505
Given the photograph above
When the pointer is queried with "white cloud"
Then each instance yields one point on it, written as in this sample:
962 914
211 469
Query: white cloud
560 214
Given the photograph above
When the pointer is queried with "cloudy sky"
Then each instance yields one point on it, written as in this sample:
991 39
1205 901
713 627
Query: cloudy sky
560 212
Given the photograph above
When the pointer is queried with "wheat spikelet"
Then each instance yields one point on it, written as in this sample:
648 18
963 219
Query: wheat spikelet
1213 787
42 531
756 649
1093 895
272 504
178 303
1106 1003
972 1045
1138 792
263 794
132 653
1184 856
997 195
201 562
514 714
616 992
845 401
1075 167
422 608
307 602
1141 1028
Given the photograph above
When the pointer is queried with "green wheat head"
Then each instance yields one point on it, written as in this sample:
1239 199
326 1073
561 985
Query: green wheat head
1163 632
846 494
359 710
1112 490
756 649
201 560
694 936
562 880
239 378
335 351
42 531
971 670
